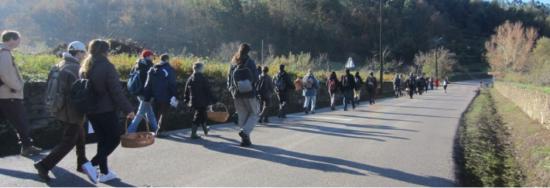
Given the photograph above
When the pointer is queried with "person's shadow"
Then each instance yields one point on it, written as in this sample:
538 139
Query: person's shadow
61 177
309 161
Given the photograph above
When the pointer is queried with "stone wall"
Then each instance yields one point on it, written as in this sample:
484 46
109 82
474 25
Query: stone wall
46 131
533 102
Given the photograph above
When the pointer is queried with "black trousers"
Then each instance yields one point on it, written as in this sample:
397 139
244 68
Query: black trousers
16 115
372 95
283 102
73 135
200 116
108 132
264 107
161 110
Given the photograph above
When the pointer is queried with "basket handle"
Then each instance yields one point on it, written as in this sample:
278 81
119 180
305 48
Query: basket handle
219 104
146 125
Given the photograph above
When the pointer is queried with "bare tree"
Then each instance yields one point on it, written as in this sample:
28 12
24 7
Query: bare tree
509 49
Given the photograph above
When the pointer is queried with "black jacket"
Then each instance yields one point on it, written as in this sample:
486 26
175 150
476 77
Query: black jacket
161 83
289 85
351 85
197 91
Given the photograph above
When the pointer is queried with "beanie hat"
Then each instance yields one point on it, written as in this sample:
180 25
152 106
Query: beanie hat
146 53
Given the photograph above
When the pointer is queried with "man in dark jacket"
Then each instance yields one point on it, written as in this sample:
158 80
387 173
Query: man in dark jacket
161 88
348 85
265 92
283 85
198 96
411 84
372 84
68 116
145 109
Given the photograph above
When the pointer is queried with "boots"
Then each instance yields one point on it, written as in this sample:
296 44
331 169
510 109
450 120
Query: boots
205 129
194 132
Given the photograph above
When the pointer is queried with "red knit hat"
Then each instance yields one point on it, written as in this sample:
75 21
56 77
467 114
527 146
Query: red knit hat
146 53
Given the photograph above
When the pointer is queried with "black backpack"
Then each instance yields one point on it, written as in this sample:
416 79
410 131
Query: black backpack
82 95
280 82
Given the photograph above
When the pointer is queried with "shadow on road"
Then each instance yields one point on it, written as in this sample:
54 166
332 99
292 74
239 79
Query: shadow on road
406 114
63 178
420 107
333 131
308 161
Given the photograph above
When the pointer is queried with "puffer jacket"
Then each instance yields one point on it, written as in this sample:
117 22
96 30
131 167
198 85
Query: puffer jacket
197 91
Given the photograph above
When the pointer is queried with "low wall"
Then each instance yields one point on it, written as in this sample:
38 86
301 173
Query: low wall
535 103
46 131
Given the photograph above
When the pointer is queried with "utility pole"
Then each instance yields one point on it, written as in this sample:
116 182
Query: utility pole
262 53
381 55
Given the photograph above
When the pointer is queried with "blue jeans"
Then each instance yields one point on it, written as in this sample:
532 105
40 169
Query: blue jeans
145 110
348 98
309 103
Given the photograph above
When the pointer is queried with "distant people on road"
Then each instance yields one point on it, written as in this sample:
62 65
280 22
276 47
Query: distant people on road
136 86
241 80
265 91
347 87
283 86
358 87
311 85
420 82
372 84
397 86
426 83
108 96
161 89
445 84
431 83
411 85
198 96
11 93
333 85
60 81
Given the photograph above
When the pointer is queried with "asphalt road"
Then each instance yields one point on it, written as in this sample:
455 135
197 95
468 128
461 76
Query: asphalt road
396 142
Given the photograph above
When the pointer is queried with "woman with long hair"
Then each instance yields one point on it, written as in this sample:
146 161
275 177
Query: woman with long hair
241 80
108 97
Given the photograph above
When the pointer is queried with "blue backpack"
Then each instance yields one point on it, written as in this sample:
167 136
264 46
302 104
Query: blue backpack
135 84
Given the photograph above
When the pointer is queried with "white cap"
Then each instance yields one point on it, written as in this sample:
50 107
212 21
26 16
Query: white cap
76 45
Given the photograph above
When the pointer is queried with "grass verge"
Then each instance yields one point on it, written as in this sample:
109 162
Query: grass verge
485 155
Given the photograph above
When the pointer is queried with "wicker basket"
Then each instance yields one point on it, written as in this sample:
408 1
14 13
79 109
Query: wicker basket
220 117
138 139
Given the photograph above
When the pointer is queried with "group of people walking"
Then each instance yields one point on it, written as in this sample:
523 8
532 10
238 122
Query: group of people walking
416 84
85 87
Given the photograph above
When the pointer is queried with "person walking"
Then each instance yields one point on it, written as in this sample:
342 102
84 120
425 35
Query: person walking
420 84
358 87
283 86
241 80
265 90
372 84
66 73
145 109
348 85
161 89
11 93
198 96
108 97
397 85
445 84
431 83
411 85
333 84
311 85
